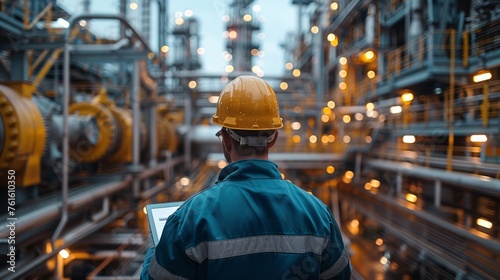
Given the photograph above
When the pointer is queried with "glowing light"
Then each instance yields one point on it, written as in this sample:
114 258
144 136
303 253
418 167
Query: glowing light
288 66
342 73
379 241
331 104
383 260
314 29
343 61
228 57
64 253
335 42
144 210
331 138
188 13
313 139
233 34
296 126
179 21
346 139
396 109
484 223
368 56
334 6
481 76
368 186
63 23
247 18
213 99
375 183
349 174
409 139
324 139
296 139
342 85
229 68
358 116
165 49
326 111
133 6
411 198
200 51
330 169
354 223
330 37
370 74
296 73
368 139
346 180
325 118
370 106
192 84
480 138
184 181
83 23
346 119
284 86
407 97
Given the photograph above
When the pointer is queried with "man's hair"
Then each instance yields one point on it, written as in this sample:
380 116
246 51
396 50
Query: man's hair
246 150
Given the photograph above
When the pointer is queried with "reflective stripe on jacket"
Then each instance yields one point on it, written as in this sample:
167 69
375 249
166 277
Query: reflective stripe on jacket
251 225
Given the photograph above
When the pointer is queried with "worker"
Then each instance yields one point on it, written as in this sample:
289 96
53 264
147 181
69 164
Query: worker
252 224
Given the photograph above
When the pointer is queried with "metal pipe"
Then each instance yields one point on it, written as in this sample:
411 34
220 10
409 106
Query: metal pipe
136 122
399 184
65 137
437 193
136 117
357 169
50 212
480 183
104 212
187 137
153 131
68 240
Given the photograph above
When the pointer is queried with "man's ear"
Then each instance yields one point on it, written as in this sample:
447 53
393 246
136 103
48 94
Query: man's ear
274 139
228 143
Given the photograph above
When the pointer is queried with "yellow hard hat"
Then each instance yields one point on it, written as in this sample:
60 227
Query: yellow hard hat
248 103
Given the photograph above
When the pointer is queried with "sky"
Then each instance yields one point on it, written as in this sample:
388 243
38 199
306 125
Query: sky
280 18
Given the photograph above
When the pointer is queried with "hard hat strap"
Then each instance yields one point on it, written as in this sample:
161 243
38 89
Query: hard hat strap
254 141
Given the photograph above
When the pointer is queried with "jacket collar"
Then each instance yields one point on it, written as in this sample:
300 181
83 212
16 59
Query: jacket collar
250 169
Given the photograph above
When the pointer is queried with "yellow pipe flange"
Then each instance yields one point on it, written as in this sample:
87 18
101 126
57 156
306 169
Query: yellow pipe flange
107 131
123 153
24 134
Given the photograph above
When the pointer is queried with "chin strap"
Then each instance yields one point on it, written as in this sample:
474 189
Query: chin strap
254 141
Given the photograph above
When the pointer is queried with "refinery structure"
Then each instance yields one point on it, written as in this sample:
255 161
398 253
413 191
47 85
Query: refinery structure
391 115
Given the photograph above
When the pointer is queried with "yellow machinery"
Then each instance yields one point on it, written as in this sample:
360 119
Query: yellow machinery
167 135
114 143
24 132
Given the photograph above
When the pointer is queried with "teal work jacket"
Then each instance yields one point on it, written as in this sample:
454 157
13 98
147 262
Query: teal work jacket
253 225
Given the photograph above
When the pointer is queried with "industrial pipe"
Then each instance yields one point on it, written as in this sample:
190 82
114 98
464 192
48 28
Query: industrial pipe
480 183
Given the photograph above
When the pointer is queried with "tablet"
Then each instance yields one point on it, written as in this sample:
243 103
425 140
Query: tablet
157 217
